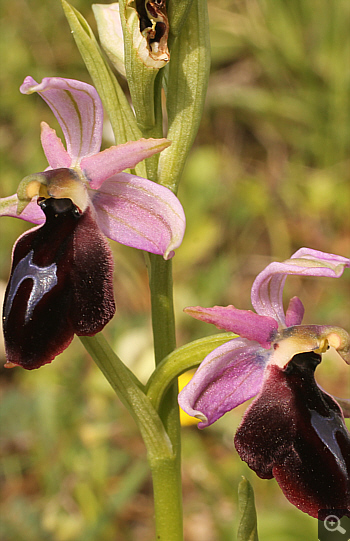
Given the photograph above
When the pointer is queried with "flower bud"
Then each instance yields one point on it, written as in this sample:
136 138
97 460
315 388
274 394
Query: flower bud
111 34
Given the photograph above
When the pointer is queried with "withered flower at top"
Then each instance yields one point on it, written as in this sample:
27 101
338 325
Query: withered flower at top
154 27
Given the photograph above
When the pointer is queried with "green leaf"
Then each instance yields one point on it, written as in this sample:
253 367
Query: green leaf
177 13
247 529
113 98
186 86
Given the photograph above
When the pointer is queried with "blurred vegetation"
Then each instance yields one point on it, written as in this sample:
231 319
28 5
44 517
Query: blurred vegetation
269 173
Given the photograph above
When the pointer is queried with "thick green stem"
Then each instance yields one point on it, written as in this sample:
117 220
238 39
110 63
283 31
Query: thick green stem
157 131
167 499
166 473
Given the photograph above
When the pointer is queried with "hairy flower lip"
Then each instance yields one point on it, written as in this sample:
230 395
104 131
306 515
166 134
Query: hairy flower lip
61 284
306 442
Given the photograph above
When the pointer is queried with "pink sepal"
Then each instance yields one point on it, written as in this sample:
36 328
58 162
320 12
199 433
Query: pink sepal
78 109
115 159
243 322
140 213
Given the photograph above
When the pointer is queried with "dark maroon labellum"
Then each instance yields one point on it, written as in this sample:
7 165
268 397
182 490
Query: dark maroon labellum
61 283
295 432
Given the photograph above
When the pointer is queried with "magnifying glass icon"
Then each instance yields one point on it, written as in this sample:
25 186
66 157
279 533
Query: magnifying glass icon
332 524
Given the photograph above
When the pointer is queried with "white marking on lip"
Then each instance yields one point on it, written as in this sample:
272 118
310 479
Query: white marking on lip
326 428
43 278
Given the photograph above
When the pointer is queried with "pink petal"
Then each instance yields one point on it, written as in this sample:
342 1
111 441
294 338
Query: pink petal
32 213
268 286
114 160
140 213
56 154
228 376
245 323
336 263
78 109
295 312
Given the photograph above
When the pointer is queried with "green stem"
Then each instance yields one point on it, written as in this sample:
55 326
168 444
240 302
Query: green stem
164 464
166 474
179 361
167 499
163 321
157 131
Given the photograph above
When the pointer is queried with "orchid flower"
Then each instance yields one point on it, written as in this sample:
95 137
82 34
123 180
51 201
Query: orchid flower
61 281
293 430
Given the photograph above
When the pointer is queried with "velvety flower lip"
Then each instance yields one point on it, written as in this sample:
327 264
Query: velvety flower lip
79 112
61 284
275 359
306 445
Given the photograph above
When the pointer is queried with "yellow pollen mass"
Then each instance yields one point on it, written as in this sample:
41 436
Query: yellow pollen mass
36 188
324 345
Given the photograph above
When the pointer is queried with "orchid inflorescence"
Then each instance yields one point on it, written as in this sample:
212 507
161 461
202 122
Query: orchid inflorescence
61 280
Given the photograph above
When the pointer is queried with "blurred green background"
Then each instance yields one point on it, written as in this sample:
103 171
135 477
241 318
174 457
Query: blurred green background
269 173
